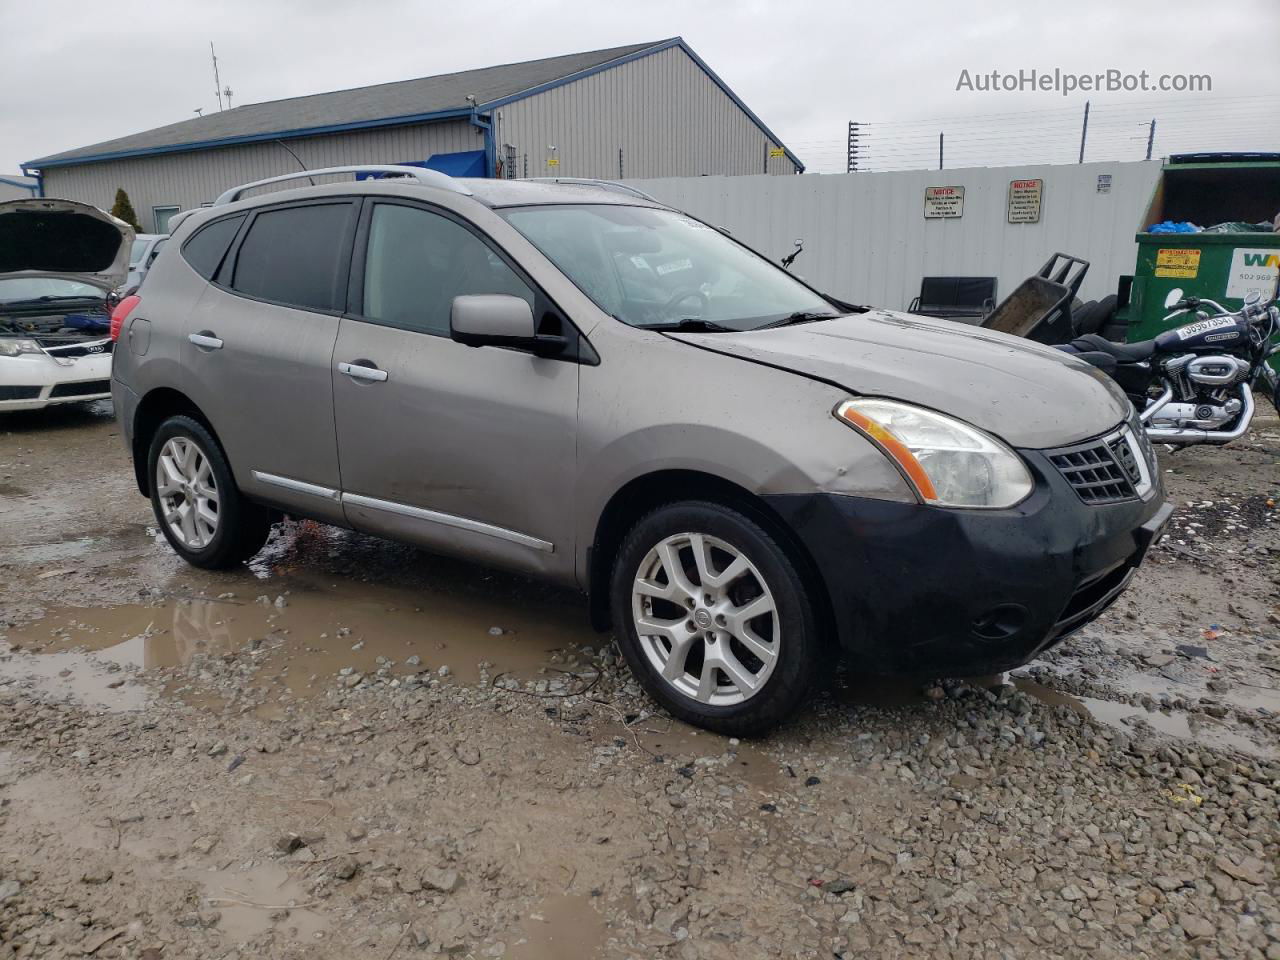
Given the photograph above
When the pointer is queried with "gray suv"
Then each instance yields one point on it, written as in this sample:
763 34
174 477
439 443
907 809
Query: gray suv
749 479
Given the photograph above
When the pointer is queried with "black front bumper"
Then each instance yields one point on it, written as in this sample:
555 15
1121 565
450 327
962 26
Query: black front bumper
920 590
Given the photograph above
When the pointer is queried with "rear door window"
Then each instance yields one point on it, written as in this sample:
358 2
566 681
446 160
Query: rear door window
293 255
205 250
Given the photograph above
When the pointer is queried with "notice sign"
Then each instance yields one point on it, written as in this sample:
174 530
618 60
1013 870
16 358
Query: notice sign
1184 264
943 203
776 152
1253 271
1104 183
1024 200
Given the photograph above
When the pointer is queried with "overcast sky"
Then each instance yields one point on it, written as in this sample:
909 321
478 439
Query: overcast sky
75 73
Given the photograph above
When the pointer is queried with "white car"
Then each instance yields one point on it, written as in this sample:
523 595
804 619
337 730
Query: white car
59 259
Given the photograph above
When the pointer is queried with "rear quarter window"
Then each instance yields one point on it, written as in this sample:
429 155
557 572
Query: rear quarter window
206 248
293 255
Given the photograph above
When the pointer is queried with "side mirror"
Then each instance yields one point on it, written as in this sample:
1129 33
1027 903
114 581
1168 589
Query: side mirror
499 320
1173 297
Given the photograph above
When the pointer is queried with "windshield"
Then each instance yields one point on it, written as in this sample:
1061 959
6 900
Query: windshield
33 288
651 267
138 251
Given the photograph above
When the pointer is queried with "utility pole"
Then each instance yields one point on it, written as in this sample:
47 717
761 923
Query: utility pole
1151 137
1084 130
851 160
227 93
940 135
217 84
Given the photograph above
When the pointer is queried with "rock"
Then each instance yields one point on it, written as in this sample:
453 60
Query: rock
1195 926
353 680
446 881
288 843
96 876
9 889
1249 869
204 845
346 868
218 749
1159 659
1071 893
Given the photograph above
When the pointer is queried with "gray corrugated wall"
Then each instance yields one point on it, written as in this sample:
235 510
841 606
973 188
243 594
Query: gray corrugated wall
668 117
867 241
186 180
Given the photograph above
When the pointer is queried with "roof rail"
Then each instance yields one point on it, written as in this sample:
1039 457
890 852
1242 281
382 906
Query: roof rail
428 178
602 184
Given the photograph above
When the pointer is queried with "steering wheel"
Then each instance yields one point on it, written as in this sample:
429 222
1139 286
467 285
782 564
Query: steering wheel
681 295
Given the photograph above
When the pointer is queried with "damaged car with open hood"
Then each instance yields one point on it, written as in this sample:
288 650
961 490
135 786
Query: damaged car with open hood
751 481
59 262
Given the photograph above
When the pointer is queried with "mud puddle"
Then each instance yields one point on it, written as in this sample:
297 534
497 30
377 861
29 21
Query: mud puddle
254 900
1125 716
560 928
299 639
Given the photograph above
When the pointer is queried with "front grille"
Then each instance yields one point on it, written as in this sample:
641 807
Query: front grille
85 389
1096 471
19 393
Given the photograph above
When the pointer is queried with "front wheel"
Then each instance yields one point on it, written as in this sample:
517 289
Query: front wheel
714 618
196 501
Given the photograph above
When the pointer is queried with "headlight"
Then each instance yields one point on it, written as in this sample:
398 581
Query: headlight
13 348
950 463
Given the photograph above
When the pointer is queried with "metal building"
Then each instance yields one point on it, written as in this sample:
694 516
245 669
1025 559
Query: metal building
15 187
645 110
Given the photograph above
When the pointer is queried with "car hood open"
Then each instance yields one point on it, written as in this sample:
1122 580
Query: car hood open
66 239
1029 395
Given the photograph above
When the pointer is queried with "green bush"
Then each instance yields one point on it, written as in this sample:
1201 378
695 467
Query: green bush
122 209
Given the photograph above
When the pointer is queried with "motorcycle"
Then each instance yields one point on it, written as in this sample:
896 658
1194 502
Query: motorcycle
1194 384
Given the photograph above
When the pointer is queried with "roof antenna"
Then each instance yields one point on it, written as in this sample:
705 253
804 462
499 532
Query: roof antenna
301 166
217 84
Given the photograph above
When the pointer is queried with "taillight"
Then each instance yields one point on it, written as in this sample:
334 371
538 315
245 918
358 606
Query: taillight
121 313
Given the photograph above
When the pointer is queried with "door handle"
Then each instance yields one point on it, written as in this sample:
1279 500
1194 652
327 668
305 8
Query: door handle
205 340
363 370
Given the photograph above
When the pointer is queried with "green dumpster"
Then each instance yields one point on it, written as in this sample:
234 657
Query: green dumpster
1206 190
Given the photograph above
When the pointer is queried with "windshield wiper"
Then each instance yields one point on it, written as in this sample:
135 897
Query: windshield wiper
800 316
689 325
47 298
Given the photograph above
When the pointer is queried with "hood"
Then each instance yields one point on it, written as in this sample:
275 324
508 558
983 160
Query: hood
1028 395
41 237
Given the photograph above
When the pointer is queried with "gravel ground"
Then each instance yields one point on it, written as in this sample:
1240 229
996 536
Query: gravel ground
351 749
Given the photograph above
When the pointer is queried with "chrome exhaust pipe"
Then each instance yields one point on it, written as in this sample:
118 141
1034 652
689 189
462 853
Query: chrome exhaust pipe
1189 436
1157 403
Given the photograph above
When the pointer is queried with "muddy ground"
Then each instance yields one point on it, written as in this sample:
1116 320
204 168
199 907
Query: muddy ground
352 749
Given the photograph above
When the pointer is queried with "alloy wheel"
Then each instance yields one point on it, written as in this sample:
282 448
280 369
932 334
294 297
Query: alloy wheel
188 492
706 619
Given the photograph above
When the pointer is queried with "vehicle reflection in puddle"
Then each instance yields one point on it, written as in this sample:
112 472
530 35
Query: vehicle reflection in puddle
561 927
305 638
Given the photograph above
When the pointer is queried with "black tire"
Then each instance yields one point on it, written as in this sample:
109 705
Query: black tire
1095 315
242 527
798 642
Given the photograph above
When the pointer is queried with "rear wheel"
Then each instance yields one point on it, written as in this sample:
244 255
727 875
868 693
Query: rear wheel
714 618
195 499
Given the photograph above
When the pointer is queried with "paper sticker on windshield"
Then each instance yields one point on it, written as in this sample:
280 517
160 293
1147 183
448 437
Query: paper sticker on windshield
674 266
640 262
1204 326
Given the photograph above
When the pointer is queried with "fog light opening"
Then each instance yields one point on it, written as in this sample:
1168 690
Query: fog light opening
1000 623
